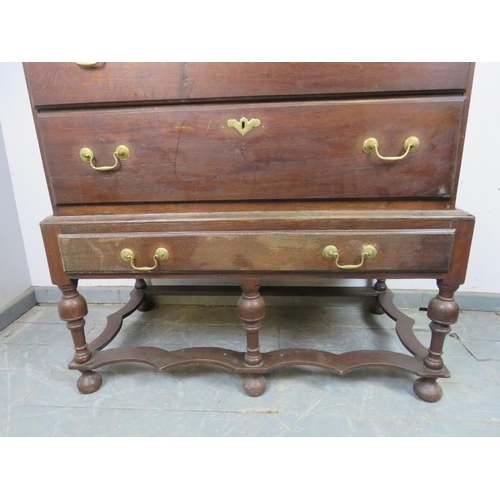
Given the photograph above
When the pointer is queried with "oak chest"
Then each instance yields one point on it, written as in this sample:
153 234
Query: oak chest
250 171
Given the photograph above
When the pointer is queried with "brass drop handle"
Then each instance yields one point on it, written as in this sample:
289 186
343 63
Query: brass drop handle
331 252
411 145
129 256
87 64
121 153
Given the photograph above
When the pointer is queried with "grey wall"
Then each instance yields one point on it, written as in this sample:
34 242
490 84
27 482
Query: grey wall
14 273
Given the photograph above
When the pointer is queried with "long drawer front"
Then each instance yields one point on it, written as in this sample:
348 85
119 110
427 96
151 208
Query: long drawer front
260 251
312 150
64 84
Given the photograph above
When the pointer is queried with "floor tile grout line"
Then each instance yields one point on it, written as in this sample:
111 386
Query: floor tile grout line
465 347
166 410
263 413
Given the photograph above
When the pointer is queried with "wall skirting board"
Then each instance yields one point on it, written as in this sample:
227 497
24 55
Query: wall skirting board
228 296
17 307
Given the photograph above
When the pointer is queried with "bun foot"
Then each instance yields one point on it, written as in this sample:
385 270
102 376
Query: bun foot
428 389
254 385
89 382
146 305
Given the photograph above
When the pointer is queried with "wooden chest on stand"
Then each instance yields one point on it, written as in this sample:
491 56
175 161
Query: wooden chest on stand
249 171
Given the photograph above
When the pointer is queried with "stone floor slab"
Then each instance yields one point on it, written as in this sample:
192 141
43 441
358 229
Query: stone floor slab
483 350
38 394
34 421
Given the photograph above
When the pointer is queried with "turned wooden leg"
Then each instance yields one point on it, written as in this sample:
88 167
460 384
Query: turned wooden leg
146 303
72 309
375 307
443 312
251 312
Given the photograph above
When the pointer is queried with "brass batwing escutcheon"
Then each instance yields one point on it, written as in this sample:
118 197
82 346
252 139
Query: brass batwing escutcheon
331 252
244 126
410 145
128 255
121 153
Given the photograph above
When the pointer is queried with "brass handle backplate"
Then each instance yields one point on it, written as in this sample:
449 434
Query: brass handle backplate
121 153
410 145
244 126
129 256
331 252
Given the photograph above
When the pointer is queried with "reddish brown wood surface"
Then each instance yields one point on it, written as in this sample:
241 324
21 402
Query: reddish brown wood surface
63 84
443 312
275 222
424 250
251 310
53 255
340 364
270 220
251 206
68 84
250 79
256 207
300 151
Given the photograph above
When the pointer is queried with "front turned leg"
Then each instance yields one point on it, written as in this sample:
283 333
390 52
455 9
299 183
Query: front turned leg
72 309
251 311
443 312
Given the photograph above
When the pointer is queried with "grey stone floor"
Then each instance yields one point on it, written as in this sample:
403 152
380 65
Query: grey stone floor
38 395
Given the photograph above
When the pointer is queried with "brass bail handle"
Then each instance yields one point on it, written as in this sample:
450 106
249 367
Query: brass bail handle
128 255
410 145
331 252
121 153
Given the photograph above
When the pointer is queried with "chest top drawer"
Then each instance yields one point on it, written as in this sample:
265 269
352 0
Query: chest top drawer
68 84
311 150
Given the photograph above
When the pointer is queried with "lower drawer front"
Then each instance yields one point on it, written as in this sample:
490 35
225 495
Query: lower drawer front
284 251
299 150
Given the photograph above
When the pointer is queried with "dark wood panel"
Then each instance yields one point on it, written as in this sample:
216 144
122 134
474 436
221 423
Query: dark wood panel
69 84
225 206
300 151
341 364
261 220
256 207
283 251
236 277
215 80
64 84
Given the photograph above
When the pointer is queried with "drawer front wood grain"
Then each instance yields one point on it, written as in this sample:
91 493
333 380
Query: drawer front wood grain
299 151
283 251
66 84
270 79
